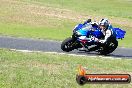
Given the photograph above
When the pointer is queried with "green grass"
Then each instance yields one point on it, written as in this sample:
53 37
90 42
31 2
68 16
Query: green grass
41 70
28 31
116 8
54 19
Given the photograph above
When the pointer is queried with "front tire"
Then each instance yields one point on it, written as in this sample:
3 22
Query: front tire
67 45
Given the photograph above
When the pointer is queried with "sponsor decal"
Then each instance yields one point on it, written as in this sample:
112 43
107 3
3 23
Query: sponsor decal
83 78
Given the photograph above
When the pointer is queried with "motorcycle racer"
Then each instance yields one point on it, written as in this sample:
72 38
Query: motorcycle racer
105 27
101 38
107 30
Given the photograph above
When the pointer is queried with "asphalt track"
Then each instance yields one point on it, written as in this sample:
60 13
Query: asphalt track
53 46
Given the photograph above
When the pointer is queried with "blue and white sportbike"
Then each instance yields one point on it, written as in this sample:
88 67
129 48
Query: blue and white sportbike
76 41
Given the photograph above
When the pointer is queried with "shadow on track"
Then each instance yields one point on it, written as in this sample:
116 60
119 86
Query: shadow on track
119 55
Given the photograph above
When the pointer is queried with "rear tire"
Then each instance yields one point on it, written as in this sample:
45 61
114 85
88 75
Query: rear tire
109 47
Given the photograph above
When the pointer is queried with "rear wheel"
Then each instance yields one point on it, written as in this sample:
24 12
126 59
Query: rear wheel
108 47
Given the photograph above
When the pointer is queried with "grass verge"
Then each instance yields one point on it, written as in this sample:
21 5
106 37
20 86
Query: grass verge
41 70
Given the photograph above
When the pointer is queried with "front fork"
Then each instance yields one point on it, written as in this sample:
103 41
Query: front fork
77 43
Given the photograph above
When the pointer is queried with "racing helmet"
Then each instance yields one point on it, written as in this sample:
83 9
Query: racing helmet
104 22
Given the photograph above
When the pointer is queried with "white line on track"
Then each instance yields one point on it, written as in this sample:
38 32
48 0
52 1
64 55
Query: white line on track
29 51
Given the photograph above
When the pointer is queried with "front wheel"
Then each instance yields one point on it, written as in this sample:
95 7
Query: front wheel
67 44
